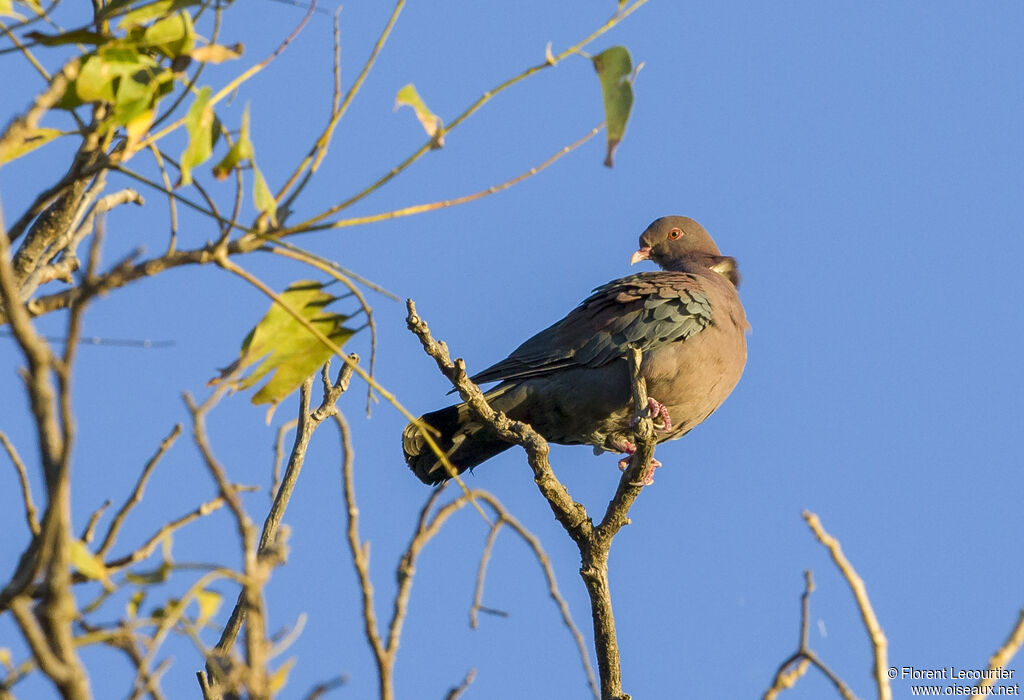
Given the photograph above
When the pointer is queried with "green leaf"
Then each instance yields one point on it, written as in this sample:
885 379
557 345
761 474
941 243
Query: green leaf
432 123
30 141
95 81
145 12
614 68
284 348
240 150
199 122
262 197
173 36
209 603
75 36
87 563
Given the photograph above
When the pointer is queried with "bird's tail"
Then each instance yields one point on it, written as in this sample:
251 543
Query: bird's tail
464 440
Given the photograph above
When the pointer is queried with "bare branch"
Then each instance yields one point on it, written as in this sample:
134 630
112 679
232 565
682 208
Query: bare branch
275 475
26 489
1002 657
150 545
461 688
307 423
879 645
137 492
594 543
793 669
90 527
446 203
481 573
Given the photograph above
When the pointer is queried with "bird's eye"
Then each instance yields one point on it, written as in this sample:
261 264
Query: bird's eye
675 233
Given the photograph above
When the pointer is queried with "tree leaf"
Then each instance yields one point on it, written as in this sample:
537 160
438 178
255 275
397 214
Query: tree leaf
262 197
216 53
31 140
614 68
240 150
75 36
173 35
131 608
209 603
145 12
6 660
87 563
95 81
284 348
7 10
136 128
432 123
199 122
279 678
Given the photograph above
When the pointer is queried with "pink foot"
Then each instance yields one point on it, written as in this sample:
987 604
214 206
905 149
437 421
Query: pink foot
659 414
648 476
624 445
658 410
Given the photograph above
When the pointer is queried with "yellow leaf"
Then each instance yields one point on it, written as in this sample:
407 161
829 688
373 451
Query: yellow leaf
209 604
280 676
136 128
87 563
134 603
216 53
33 139
7 10
6 659
432 123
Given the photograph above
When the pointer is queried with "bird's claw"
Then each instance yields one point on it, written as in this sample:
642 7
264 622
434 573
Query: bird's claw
648 476
658 413
659 410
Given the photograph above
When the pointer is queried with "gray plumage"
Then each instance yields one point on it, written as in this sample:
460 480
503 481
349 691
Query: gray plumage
570 381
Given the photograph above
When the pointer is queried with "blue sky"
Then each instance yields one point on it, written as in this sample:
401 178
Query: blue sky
863 162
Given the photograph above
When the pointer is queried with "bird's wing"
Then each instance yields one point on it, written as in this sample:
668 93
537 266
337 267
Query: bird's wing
647 311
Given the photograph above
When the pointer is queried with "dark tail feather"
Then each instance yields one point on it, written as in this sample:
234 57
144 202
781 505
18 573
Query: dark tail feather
466 443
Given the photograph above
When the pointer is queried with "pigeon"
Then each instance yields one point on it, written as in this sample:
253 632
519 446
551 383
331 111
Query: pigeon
570 382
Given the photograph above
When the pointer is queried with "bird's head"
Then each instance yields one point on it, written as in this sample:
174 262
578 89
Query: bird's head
675 242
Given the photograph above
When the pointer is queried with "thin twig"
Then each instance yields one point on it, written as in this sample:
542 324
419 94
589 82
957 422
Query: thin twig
149 546
137 492
1002 657
446 203
319 150
461 688
469 111
26 488
90 527
275 475
236 82
879 645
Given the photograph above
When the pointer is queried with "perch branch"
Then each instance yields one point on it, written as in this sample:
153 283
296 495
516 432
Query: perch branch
593 542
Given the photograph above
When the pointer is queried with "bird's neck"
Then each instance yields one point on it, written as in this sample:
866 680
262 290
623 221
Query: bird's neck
724 265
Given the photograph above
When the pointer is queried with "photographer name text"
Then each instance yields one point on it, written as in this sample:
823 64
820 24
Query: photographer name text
952 673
